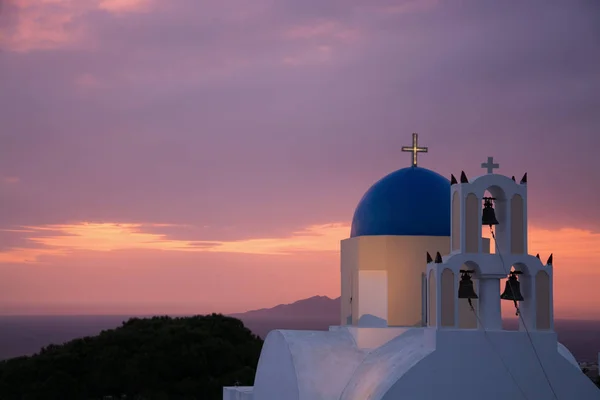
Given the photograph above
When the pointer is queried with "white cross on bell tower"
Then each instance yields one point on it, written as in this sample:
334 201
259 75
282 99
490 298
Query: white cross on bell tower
490 165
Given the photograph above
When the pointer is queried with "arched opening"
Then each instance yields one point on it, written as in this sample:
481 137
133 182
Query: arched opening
517 225
448 294
542 300
510 321
467 318
472 223
501 211
432 308
456 221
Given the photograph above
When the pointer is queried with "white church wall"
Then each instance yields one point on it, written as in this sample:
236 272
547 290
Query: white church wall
373 294
404 259
385 365
275 373
482 359
305 365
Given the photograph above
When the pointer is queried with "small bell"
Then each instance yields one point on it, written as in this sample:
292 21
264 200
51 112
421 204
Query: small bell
466 289
512 290
488 216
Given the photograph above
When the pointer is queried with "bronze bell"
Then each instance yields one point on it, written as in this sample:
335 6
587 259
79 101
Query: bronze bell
488 216
512 290
466 289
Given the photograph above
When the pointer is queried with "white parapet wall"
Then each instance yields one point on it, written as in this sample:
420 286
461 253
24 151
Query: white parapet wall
238 393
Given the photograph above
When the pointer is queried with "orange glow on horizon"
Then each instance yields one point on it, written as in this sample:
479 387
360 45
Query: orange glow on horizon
568 244
101 255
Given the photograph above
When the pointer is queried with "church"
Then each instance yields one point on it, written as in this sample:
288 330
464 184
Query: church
421 293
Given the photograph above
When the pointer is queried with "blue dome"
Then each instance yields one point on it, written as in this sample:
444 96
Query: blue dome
412 201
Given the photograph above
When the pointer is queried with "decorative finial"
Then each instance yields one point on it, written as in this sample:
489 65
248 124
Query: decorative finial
524 179
453 180
415 149
490 166
550 260
438 258
463 177
429 259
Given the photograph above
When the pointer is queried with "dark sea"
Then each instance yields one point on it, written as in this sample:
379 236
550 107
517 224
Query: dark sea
26 335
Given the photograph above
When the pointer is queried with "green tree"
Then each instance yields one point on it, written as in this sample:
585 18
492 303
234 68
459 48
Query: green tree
146 359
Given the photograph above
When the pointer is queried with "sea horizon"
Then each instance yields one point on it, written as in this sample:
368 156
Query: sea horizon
25 335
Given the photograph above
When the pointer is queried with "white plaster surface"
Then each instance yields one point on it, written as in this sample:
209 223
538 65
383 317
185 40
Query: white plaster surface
238 393
306 365
384 366
481 360
414 363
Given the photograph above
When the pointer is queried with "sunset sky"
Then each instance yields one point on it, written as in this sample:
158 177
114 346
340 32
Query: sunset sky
190 156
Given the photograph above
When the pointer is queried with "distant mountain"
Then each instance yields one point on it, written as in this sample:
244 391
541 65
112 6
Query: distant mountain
314 313
313 308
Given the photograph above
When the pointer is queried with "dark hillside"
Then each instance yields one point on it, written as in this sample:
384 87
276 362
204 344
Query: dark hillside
156 358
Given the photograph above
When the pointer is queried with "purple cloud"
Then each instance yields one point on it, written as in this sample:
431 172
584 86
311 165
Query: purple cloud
190 114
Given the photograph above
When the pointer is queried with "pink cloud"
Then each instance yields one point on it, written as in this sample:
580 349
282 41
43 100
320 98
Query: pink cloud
43 25
323 30
124 6
87 81
53 24
10 179
411 6
318 41
312 56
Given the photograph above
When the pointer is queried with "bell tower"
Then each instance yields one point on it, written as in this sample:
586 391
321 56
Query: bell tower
466 283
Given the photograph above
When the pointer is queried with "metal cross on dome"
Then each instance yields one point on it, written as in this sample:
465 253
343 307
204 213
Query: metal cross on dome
490 165
415 149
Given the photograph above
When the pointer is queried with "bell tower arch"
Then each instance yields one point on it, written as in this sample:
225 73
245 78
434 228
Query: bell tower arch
476 273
